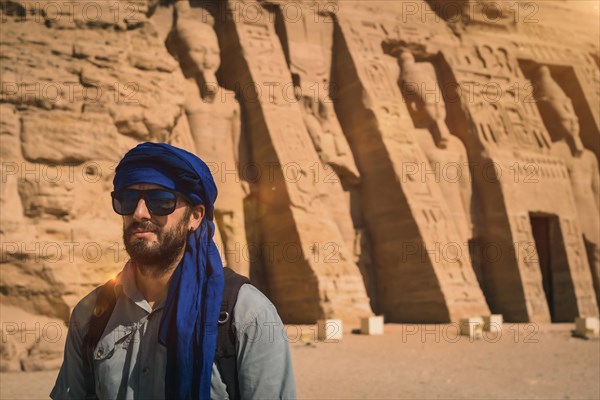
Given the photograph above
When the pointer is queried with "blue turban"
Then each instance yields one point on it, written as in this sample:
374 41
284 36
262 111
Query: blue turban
189 323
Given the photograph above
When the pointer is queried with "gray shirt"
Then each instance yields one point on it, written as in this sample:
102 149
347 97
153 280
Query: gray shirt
129 362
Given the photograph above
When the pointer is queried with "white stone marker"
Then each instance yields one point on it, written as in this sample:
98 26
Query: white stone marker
471 327
492 323
371 325
329 329
587 327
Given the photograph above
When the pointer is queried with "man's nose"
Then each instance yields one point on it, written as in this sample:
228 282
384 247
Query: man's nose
141 212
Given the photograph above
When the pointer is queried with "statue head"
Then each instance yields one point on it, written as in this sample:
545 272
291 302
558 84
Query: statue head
557 109
199 51
424 97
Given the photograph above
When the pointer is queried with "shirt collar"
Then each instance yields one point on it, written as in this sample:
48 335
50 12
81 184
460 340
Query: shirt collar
126 283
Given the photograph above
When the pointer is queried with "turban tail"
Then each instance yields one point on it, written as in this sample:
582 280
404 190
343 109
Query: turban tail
188 327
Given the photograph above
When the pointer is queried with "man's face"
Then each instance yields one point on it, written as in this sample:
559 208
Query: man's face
153 240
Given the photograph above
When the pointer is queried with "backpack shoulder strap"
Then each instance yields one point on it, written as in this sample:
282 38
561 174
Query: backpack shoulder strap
105 304
225 355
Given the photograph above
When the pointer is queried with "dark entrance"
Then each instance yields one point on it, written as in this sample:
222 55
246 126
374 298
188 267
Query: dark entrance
540 227
556 276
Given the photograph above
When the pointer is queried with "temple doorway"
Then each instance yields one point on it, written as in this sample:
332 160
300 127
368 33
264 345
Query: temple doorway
552 259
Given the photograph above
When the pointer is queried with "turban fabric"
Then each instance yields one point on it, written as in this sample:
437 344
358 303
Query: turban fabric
189 323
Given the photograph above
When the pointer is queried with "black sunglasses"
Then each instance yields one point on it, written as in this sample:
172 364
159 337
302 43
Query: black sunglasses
159 201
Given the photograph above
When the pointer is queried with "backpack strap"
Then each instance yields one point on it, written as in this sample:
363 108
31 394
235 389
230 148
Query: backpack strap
105 304
225 355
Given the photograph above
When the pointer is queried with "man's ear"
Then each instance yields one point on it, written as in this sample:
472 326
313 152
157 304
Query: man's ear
198 212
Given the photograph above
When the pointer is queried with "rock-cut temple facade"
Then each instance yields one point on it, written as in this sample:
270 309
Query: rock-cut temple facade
426 161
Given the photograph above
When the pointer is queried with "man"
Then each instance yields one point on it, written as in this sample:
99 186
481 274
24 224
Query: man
159 339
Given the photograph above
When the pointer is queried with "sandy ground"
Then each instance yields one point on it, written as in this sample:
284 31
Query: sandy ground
422 362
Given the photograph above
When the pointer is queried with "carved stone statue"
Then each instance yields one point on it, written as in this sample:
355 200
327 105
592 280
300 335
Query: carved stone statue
446 153
308 46
327 137
562 123
214 119
557 110
197 46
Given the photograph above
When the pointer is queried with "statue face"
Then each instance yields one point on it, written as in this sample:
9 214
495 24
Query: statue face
206 58
200 45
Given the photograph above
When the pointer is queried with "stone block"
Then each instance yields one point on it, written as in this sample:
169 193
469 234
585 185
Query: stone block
492 323
371 325
471 327
587 327
329 329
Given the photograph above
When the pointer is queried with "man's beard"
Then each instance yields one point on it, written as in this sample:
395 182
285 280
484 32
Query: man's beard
156 257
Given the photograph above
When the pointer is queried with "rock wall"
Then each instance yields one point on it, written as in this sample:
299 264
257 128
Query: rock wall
423 160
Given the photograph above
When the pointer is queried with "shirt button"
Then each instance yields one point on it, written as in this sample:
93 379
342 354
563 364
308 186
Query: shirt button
146 370
99 353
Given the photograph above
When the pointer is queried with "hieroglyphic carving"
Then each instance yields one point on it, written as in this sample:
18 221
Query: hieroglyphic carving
572 238
525 245
580 273
500 98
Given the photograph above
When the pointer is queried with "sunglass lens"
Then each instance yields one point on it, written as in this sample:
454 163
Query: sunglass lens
161 202
125 201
